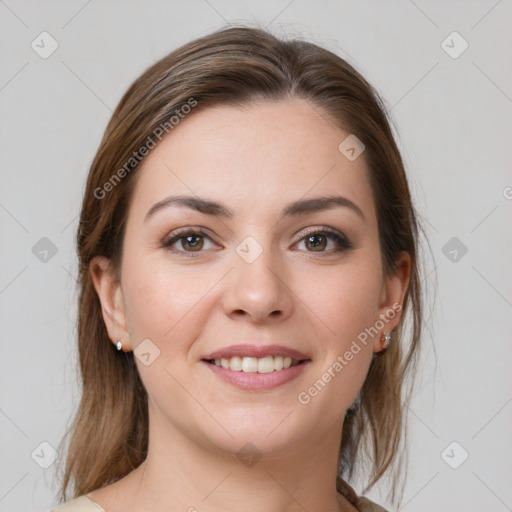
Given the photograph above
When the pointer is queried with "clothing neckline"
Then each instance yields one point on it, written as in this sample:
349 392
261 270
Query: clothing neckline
344 489
96 504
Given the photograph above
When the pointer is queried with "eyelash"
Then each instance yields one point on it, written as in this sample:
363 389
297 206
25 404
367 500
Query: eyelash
342 241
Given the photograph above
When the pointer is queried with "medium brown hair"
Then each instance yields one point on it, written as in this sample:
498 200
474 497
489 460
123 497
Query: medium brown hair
108 437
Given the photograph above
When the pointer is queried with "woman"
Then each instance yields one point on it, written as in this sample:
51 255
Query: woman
248 252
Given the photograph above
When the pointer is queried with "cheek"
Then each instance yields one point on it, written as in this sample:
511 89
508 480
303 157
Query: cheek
347 300
345 355
149 298
163 302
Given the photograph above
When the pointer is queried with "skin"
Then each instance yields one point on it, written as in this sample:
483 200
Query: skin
255 160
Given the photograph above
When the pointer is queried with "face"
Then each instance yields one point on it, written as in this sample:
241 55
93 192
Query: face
215 299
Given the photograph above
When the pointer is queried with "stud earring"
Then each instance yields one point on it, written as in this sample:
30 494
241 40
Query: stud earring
119 345
386 338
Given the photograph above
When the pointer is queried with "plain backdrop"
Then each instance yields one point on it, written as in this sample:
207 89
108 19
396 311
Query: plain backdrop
450 98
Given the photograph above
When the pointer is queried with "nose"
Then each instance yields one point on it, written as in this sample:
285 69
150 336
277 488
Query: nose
258 290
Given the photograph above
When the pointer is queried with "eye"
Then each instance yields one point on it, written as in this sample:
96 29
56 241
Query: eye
190 240
318 241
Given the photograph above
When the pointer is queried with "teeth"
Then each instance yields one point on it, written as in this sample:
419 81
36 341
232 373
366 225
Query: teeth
265 364
235 364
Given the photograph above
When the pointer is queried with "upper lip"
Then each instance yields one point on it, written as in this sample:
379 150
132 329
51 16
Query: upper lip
246 350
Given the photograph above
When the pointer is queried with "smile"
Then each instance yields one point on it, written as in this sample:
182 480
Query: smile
252 367
265 364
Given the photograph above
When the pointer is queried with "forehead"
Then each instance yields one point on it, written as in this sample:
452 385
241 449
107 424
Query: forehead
254 158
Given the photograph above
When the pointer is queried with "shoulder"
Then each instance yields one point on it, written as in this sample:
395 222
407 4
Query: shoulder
366 505
80 504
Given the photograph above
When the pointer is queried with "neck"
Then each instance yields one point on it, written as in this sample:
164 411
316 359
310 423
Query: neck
182 472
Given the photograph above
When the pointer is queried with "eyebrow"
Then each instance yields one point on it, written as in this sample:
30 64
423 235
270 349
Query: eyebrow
295 209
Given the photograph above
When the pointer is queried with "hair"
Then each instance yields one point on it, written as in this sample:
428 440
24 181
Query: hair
238 66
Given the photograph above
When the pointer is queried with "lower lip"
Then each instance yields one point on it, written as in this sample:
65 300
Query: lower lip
258 381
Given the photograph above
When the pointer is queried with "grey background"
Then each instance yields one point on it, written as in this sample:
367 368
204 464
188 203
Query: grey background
453 119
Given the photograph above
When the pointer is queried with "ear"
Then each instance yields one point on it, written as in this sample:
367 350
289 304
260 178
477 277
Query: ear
111 298
392 297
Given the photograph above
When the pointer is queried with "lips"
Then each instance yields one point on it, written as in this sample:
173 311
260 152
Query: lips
256 351
257 367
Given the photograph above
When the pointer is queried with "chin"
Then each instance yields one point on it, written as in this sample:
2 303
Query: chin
271 429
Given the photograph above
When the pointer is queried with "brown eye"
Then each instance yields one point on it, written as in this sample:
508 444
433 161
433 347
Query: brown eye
319 241
195 242
187 241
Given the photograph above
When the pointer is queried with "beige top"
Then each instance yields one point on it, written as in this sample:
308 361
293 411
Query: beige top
86 504
80 504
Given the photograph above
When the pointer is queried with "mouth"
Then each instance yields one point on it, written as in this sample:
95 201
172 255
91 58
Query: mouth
255 367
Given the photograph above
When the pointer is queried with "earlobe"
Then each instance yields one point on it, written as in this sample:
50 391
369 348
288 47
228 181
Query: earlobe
110 294
392 299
